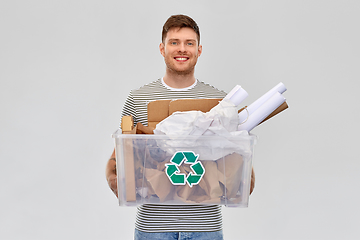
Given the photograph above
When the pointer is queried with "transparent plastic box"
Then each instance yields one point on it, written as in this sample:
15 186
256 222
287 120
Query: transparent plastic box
183 170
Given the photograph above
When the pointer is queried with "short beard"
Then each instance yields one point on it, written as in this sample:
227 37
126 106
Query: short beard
180 73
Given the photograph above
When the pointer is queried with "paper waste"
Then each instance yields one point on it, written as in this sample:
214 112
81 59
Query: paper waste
222 120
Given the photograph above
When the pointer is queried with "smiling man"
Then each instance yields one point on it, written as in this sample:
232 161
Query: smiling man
181 49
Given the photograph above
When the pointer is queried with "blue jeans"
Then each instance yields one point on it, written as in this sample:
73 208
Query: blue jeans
139 235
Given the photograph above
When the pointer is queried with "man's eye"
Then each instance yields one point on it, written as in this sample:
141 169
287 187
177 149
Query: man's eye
173 43
190 44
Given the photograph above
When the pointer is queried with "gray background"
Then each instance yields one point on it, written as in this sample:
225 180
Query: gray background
66 68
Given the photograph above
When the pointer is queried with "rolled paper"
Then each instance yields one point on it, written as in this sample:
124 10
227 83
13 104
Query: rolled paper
262 112
237 95
277 111
243 115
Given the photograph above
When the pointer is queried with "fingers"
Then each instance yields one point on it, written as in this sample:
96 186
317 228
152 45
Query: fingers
112 181
252 185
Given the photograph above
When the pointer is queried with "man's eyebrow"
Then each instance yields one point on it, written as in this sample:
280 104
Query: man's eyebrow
187 40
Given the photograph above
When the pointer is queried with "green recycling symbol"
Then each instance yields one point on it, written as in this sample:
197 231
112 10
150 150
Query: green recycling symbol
173 171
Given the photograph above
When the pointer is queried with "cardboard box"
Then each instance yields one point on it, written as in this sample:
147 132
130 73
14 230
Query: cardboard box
161 109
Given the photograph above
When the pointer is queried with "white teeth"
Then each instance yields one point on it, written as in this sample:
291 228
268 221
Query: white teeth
181 59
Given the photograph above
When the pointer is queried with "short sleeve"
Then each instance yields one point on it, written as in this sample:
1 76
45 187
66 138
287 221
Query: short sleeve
129 108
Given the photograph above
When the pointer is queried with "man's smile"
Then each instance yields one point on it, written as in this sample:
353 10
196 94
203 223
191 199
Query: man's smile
181 58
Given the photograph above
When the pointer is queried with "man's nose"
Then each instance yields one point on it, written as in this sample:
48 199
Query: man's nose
182 47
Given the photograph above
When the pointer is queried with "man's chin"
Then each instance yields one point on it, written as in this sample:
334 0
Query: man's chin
183 72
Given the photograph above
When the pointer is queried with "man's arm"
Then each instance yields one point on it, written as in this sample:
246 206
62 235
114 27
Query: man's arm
110 173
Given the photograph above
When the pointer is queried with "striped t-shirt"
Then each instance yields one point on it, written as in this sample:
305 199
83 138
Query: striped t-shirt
172 218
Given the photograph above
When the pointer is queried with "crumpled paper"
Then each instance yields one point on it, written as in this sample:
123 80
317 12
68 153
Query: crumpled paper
222 120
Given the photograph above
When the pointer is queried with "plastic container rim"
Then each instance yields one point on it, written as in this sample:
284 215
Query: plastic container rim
119 134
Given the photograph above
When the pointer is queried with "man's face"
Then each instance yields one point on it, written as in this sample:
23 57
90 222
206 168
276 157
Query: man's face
181 50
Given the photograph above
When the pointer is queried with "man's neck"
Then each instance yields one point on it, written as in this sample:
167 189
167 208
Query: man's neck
179 81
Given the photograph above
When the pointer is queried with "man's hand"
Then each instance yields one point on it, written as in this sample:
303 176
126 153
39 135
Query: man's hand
111 175
112 181
252 185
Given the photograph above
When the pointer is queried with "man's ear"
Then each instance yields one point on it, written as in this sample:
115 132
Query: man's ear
162 49
199 50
